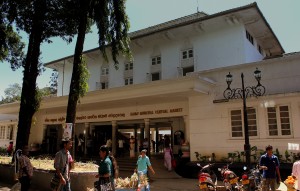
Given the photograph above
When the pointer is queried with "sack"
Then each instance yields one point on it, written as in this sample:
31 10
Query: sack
173 162
55 181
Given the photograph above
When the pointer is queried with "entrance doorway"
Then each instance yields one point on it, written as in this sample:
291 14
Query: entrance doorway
52 139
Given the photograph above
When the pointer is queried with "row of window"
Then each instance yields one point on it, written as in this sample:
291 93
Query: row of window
278 122
6 132
251 40
186 54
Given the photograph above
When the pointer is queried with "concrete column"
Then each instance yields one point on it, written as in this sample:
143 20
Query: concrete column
186 127
156 138
147 134
136 140
142 136
86 131
152 135
114 137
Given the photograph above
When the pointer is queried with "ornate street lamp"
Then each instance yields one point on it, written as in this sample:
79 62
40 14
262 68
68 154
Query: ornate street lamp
244 92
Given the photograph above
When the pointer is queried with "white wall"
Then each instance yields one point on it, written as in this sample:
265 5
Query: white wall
223 47
210 125
64 78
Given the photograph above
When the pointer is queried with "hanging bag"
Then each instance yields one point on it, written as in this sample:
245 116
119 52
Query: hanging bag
104 184
55 181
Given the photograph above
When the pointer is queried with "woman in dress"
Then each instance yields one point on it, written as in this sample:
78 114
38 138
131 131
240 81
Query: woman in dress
168 154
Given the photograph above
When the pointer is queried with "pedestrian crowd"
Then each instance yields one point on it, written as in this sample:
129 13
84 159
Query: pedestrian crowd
108 167
64 163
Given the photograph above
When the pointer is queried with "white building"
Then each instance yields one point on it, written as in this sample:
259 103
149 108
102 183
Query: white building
176 83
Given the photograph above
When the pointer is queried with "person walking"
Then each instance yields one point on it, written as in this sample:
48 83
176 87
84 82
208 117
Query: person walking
168 155
132 147
153 145
89 146
143 163
10 148
121 147
269 163
109 144
106 180
62 165
25 169
296 170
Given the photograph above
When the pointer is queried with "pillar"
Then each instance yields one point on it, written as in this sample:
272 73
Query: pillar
136 140
147 134
86 131
114 137
142 136
156 138
186 128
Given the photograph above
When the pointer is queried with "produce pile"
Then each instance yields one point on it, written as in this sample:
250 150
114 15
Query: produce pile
290 183
131 182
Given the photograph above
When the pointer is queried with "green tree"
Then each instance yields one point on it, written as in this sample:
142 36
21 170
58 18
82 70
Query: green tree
41 20
113 25
43 92
12 94
11 46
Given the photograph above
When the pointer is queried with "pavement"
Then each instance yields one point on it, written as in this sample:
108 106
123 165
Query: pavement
162 180
169 180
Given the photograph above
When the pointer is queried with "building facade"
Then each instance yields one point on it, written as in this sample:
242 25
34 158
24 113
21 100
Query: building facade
175 84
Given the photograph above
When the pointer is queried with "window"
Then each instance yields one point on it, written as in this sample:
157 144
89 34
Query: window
156 60
279 121
129 66
104 71
187 70
2 132
260 49
8 132
104 85
128 81
237 123
155 76
249 37
187 54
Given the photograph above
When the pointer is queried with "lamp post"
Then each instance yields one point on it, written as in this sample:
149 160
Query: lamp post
244 92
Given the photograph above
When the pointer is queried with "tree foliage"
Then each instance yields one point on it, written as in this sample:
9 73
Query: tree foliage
53 82
12 94
41 20
11 46
113 25
83 78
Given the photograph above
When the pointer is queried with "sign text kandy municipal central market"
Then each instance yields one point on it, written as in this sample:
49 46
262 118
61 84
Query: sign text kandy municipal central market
118 115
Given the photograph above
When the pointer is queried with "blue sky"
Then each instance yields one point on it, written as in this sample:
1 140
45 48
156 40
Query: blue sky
283 17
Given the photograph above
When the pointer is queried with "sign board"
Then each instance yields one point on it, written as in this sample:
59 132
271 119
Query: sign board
67 133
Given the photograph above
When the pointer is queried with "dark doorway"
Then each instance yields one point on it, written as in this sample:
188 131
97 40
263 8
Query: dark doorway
100 136
53 138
